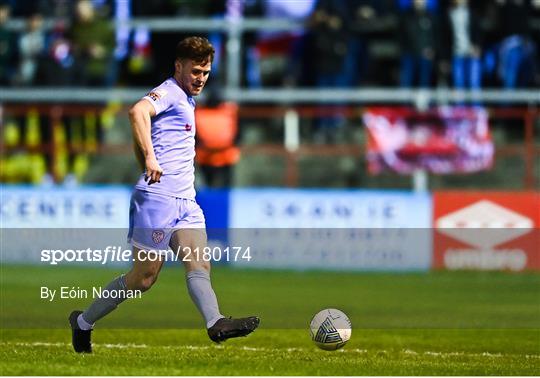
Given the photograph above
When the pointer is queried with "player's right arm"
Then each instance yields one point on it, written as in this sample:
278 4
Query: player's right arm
140 118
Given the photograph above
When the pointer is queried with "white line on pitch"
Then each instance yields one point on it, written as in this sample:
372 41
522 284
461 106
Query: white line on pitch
262 349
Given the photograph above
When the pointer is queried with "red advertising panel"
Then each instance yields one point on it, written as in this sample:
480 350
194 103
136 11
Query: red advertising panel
486 230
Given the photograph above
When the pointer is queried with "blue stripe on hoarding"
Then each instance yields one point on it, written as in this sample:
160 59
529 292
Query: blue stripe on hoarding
215 205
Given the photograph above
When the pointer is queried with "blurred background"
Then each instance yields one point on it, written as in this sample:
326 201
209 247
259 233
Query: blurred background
366 111
291 85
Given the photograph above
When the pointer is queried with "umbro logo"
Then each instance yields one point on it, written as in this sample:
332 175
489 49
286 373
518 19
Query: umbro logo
498 224
188 127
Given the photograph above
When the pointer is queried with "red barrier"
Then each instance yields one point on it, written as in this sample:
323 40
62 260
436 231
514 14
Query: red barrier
56 114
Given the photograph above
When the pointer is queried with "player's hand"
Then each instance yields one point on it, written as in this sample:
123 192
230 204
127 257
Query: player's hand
153 171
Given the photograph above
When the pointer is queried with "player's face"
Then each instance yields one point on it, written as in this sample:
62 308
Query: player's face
193 76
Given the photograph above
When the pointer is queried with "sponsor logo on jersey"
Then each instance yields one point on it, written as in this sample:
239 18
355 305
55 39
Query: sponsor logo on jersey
157 94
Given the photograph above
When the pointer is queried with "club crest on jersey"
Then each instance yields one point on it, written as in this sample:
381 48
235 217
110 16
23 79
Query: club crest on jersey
188 127
157 236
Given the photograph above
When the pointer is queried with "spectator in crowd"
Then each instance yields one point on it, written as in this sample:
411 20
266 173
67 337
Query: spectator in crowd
329 48
368 21
329 42
31 49
360 14
93 43
58 67
419 36
218 10
464 40
8 47
140 60
270 57
216 152
430 5
516 57
250 59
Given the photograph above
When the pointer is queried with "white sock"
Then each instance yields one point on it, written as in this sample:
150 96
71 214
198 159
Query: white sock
202 294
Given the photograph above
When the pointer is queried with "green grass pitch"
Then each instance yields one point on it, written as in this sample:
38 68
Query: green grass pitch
439 323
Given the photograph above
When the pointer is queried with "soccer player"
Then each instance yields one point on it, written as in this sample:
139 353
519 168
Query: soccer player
163 210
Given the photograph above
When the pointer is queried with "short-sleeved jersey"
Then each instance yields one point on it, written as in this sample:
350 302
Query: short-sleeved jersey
173 138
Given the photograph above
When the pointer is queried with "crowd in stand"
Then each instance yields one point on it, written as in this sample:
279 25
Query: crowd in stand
457 43
343 44
346 43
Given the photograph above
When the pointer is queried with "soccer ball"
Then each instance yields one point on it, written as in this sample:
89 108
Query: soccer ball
330 329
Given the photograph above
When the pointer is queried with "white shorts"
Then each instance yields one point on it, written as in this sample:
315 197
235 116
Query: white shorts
154 217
